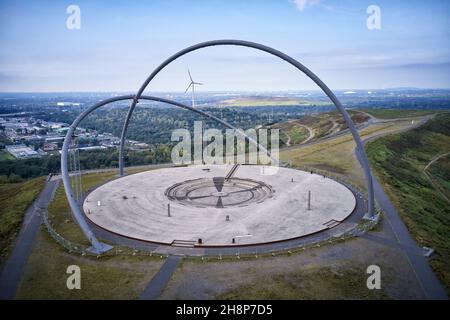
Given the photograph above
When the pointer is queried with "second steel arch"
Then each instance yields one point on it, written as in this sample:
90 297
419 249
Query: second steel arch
359 145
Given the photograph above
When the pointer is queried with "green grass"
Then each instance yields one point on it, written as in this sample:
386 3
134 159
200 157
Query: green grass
399 113
5 155
59 211
292 133
398 161
439 171
15 198
337 155
110 277
115 277
309 283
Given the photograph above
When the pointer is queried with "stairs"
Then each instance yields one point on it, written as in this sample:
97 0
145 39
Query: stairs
183 243
330 224
232 172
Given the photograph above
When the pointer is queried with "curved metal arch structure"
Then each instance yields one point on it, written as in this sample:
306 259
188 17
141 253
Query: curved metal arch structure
97 246
241 43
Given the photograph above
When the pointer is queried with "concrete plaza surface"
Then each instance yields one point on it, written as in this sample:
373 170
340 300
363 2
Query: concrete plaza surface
136 206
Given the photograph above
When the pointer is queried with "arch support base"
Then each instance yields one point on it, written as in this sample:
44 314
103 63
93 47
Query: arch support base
100 248
370 216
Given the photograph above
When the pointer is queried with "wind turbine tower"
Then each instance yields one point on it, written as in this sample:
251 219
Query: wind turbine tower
192 84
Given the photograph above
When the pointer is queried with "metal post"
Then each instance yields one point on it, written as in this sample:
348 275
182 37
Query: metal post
309 199
80 178
168 209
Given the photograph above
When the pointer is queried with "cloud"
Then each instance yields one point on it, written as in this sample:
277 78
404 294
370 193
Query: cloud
302 4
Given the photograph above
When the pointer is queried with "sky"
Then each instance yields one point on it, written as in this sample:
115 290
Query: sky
119 43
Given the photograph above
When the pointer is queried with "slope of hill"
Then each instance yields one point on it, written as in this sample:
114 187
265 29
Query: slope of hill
399 161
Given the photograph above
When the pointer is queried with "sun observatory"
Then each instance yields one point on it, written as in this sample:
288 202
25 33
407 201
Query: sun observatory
191 206
156 206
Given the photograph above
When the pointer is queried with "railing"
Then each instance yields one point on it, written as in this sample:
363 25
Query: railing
363 226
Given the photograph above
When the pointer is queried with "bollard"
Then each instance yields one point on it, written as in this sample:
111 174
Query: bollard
168 209
309 199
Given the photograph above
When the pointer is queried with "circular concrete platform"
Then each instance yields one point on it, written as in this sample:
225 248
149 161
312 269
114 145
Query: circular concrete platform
252 207
219 192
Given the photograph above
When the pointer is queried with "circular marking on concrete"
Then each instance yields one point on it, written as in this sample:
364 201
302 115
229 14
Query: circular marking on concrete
250 208
219 192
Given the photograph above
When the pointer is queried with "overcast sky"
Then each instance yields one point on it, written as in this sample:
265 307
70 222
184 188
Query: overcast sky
121 42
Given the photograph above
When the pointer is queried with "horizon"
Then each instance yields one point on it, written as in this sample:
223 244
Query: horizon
118 45
236 91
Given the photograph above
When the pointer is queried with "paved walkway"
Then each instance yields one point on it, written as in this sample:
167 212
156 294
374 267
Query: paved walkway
160 280
430 284
432 287
13 268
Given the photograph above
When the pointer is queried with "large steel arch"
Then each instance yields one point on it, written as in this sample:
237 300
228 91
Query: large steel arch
97 246
359 145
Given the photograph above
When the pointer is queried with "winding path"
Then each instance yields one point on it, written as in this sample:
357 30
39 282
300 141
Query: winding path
430 178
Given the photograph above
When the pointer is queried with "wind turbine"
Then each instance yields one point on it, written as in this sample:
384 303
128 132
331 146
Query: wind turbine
192 84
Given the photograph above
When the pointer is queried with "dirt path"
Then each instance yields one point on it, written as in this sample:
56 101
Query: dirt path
430 178
311 133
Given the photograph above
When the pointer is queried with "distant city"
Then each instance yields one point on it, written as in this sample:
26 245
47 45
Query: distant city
31 126
31 137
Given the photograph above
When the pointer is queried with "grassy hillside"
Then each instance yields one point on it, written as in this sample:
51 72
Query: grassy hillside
15 198
398 113
439 173
313 127
337 155
399 161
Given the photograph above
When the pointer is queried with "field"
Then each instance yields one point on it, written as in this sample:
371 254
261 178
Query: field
117 277
15 198
268 102
113 277
398 113
337 271
399 162
310 282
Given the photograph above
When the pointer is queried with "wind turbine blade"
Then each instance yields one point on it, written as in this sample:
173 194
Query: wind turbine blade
188 87
190 75
198 83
